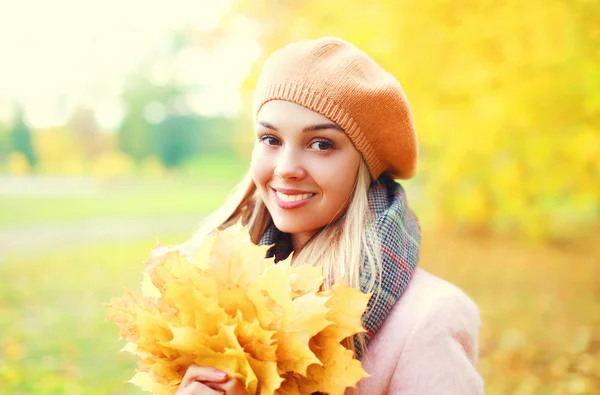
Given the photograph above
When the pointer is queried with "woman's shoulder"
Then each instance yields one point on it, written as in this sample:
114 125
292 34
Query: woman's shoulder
429 303
429 317
429 294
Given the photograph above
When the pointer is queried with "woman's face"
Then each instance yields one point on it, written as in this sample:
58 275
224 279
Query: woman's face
303 165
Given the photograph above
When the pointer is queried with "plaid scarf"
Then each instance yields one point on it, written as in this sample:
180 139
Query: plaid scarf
399 239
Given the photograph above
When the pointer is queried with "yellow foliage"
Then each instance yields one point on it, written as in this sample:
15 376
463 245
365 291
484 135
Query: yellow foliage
58 151
539 307
18 164
505 97
112 164
226 306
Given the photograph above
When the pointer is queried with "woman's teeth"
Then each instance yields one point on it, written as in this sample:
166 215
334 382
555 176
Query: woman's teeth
292 198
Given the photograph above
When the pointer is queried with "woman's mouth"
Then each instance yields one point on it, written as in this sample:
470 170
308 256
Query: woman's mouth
289 199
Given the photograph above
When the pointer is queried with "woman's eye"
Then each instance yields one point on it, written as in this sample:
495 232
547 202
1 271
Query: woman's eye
269 140
321 145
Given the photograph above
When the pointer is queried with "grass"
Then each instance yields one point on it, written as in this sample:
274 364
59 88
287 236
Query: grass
55 339
540 307
133 199
198 187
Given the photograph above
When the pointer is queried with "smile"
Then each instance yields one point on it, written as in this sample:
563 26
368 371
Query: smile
291 200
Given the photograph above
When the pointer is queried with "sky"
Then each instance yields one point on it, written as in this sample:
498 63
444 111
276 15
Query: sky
60 54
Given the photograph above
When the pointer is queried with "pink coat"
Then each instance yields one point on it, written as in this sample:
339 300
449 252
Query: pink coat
428 344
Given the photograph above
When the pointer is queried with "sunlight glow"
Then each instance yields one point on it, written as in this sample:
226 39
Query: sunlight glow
61 54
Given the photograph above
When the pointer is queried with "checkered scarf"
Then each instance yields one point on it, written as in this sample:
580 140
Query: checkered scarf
399 239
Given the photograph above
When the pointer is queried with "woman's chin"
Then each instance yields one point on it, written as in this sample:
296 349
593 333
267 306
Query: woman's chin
293 227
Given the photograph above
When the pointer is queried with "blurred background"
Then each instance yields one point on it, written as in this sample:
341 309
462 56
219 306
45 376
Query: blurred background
123 123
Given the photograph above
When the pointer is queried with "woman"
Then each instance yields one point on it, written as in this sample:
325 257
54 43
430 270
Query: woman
333 131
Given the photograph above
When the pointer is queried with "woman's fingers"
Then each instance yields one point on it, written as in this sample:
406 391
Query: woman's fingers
198 388
232 386
216 387
202 380
203 373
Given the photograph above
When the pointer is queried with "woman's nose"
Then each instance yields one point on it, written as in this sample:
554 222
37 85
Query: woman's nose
289 165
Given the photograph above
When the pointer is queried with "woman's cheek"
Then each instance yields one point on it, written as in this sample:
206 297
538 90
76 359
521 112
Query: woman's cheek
260 167
339 175
328 174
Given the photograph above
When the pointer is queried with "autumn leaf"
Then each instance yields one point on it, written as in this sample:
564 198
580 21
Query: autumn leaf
275 281
338 369
290 385
258 342
269 372
268 313
306 279
143 380
304 320
226 306
343 304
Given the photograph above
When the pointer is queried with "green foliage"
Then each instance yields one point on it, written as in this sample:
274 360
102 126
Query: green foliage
158 120
21 139
157 123
139 94
4 144
177 138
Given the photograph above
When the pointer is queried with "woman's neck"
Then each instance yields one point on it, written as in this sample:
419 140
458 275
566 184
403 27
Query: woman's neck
299 240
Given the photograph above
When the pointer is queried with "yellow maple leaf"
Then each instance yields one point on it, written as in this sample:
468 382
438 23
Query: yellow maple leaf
187 340
233 264
275 282
225 339
235 299
307 314
268 313
148 288
290 385
338 370
165 265
194 308
166 371
132 348
303 317
123 311
306 279
345 310
268 372
257 341
145 382
233 361
228 307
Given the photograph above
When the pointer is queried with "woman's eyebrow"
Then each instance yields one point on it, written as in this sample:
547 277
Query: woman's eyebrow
266 125
322 126
312 128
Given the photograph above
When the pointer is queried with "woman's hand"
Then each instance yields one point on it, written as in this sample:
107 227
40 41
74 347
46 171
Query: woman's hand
202 380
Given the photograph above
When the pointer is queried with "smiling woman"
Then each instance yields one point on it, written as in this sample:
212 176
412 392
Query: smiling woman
333 132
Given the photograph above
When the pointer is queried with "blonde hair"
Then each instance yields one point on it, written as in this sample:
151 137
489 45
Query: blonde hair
341 247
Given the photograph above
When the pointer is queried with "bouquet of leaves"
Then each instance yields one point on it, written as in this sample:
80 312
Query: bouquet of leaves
226 306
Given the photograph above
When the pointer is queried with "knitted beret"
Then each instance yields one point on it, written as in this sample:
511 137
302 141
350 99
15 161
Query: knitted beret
339 81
